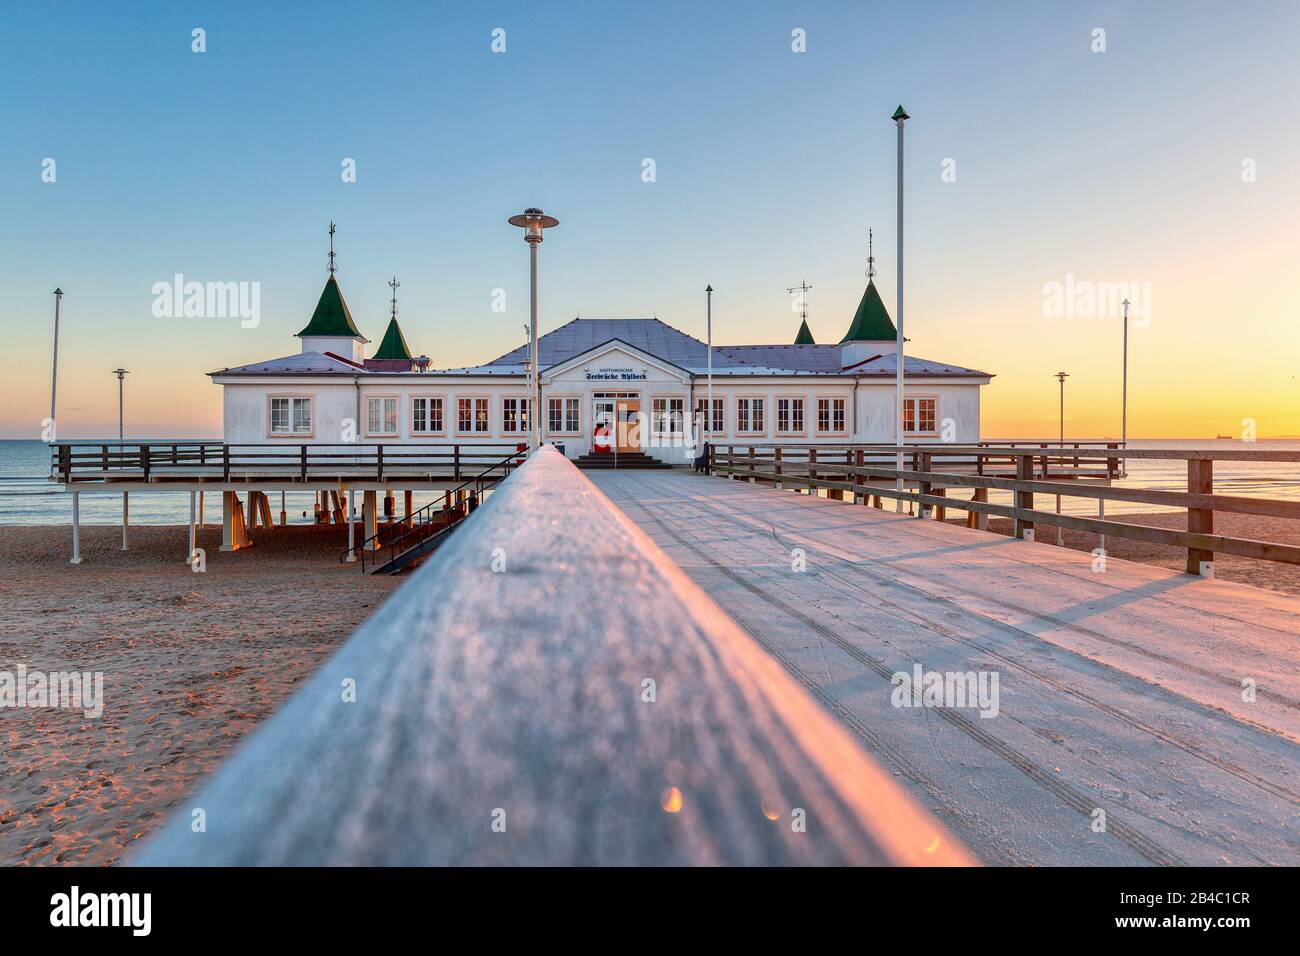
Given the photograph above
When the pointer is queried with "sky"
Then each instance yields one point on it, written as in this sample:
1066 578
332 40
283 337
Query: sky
1162 155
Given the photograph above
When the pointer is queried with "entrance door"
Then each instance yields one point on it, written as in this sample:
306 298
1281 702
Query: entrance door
603 425
629 424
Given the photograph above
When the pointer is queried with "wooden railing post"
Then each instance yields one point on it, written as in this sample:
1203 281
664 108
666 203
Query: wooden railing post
302 461
859 480
225 462
104 453
455 465
921 462
812 470
65 462
1024 528
1200 481
379 462
776 465
144 461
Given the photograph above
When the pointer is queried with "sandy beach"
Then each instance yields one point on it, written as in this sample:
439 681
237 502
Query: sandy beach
191 663
1262 574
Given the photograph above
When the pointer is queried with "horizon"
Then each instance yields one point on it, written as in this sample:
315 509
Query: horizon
1123 166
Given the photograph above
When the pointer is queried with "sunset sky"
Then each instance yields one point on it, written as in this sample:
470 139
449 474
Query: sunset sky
1169 161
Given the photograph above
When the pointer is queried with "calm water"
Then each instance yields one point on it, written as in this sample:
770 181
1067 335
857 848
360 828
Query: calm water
26 497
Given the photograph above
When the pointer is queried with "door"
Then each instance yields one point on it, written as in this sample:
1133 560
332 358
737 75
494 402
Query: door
629 424
602 438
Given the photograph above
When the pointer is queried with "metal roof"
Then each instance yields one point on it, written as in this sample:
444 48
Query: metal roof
648 335
306 363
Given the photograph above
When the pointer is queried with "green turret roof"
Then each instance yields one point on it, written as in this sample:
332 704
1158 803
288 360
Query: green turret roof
331 316
393 344
871 323
805 335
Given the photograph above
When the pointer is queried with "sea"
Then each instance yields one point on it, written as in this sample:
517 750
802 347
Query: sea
28 497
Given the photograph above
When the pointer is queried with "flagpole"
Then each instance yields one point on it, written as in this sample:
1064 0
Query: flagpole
708 405
900 117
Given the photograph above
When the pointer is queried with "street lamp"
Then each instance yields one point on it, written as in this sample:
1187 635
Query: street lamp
54 372
533 221
1124 398
121 374
1061 377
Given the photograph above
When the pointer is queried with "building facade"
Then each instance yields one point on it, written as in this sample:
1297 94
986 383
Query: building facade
630 384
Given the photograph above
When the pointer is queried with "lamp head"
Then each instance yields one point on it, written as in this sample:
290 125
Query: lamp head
533 221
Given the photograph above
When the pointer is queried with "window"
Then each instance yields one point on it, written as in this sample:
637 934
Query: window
719 414
749 415
789 415
514 415
426 415
471 415
830 414
562 415
668 416
381 416
290 416
919 414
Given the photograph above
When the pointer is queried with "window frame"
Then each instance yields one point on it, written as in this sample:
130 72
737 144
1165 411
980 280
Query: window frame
563 400
830 429
915 399
309 397
749 414
474 398
441 399
791 397
397 414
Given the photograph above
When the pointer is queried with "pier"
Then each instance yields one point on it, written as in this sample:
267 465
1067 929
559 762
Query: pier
658 667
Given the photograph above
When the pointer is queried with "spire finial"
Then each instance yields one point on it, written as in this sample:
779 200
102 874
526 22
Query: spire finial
871 256
333 267
394 285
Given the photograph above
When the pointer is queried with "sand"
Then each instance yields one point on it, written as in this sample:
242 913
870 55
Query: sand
1262 574
192 662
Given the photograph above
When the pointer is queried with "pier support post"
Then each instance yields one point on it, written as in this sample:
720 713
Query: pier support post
369 528
1200 481
126 517
234 533
352 530
407 502
202 522
389 505
978 519
189 556
283 517
76 528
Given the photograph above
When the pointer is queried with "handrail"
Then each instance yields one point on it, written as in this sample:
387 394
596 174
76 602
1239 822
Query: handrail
444 502
505 718
930 478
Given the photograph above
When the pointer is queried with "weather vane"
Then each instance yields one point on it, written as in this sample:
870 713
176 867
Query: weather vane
394 286
333 267
802 288
871 257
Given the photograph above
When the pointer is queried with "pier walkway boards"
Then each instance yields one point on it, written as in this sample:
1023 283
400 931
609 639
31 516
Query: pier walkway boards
1142 716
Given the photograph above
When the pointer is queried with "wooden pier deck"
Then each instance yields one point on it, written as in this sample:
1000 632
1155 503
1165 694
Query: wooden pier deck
1120 691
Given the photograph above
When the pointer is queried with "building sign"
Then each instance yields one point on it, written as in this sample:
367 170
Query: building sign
615 375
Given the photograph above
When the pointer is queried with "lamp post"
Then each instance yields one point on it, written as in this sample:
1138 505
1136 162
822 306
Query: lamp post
1061 377
900 117
533 221
121 374
1124 398
54 373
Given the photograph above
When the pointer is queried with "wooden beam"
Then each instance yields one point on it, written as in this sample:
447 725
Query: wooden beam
687 745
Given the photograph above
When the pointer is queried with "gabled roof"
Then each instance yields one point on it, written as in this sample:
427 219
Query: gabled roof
305 363
648 335
332 316
393 344
805 335
871 323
